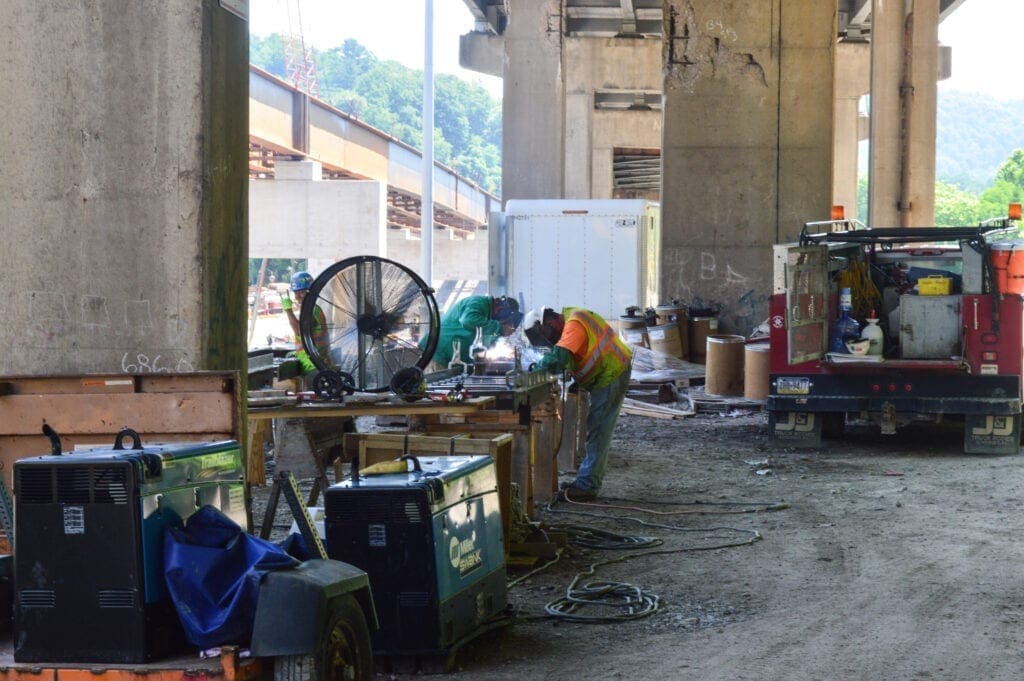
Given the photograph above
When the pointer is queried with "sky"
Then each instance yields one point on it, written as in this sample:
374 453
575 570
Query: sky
984 35
391 29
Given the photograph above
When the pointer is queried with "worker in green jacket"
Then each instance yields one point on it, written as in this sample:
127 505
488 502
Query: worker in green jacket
496 316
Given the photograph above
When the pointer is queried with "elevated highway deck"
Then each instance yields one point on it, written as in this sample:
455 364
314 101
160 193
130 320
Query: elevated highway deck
285 122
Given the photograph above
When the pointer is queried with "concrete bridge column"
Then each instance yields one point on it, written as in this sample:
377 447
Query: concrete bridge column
885 153
904 70
123 186
747 144
532 144
852 82
922 102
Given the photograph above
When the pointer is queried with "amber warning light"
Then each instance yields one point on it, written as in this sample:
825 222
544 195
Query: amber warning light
838 213
1014 212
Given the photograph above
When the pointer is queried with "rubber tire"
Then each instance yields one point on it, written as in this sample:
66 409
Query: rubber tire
345 653
833 424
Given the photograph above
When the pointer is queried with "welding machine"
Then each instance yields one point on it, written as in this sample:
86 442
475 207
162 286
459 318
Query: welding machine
89 530
430 540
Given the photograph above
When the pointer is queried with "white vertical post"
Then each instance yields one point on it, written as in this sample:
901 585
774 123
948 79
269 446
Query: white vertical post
427 195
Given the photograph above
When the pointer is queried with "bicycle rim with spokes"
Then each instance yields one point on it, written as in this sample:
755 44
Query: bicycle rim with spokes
375 317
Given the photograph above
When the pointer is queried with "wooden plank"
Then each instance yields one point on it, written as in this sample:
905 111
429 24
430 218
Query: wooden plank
203 381
89 410
143 412
572 447
397 407
544 472
255 464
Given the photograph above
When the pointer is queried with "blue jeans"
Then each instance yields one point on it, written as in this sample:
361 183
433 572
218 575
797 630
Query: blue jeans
605 404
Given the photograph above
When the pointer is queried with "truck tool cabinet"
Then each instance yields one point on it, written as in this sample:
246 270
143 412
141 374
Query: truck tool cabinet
953 325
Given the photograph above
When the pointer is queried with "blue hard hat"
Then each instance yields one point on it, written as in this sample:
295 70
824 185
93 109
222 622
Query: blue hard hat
301 281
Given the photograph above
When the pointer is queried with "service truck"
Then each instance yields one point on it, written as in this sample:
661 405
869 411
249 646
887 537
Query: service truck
599 254
950 306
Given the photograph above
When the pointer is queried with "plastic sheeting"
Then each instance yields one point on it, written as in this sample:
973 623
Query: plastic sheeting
213 571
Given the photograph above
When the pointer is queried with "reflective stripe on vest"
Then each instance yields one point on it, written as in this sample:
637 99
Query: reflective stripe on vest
605 341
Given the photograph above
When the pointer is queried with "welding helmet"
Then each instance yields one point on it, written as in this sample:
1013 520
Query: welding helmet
301 281
533 327
506 311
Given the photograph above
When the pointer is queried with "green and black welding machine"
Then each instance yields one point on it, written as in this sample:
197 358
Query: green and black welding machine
430 540
89 528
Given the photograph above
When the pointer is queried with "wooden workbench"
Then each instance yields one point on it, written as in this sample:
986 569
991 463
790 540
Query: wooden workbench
391 406
362 404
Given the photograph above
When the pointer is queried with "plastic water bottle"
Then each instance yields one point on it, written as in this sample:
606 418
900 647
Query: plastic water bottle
845 327
873 332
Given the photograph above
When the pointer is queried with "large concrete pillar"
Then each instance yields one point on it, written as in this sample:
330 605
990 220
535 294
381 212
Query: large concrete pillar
532 143
921 104
747 144
123 186
852 82
885 151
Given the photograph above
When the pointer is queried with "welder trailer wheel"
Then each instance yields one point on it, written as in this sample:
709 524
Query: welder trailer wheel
344 654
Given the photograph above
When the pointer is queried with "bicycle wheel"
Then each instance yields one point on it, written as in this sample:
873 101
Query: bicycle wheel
369 317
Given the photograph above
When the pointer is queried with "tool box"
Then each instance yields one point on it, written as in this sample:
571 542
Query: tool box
88 573
935 285
431 541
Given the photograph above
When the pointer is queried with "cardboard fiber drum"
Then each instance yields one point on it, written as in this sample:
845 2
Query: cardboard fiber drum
724 373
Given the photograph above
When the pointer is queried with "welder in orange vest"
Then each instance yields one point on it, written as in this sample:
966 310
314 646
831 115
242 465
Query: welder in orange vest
585 345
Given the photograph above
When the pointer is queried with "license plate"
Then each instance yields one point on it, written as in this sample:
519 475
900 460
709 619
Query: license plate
787 385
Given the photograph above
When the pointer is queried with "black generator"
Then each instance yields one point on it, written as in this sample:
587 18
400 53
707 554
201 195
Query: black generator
89 532
430 540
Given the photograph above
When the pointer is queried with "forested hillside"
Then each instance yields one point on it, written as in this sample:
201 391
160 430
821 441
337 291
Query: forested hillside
388 96
975 134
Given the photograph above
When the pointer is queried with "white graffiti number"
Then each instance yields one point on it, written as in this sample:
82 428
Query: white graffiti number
142 364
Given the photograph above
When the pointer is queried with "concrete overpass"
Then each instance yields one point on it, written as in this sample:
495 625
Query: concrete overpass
747 114
286 123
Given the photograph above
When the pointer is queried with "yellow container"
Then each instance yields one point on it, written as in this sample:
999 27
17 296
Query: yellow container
935 285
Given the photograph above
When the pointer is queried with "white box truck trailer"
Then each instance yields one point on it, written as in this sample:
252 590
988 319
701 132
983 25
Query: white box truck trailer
600 254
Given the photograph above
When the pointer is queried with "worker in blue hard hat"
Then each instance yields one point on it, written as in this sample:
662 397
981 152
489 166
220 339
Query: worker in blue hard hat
495 316
300 285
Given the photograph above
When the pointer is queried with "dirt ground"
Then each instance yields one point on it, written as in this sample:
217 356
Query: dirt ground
892 557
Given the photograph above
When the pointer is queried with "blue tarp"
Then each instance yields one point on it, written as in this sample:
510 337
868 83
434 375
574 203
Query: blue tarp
213 571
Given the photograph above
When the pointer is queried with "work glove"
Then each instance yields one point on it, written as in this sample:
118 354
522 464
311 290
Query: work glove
286 302
305 361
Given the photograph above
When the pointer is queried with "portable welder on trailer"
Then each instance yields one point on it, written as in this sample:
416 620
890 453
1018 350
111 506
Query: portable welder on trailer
89 528
431 541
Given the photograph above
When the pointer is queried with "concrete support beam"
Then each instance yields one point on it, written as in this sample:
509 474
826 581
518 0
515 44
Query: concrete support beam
533 112
298 215
920 105
123 186
482 52
853 66
747 151
885 146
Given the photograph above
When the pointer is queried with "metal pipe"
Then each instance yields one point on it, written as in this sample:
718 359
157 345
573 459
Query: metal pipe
427 195
903 205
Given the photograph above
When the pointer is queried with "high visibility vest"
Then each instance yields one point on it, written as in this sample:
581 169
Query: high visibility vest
606 356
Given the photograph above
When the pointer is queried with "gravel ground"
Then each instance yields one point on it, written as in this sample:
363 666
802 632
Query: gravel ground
892 557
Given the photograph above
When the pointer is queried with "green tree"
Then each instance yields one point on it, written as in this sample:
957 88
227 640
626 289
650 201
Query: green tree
954 207
388 96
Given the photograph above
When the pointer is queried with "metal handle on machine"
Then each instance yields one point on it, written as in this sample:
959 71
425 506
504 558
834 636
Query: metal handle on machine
415 463
54 439
119 439
975 314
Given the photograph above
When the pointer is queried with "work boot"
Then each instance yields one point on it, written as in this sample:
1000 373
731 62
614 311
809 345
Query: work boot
570 491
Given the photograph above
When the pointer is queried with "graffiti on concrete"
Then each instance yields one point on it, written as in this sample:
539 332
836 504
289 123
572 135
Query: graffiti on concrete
697 49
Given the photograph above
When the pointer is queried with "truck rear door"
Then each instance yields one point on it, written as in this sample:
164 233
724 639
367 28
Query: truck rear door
804 274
